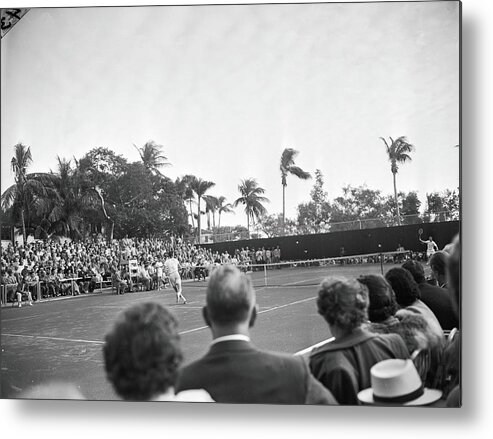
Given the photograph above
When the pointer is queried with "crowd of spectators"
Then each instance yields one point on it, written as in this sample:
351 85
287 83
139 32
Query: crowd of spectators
60 268
388 346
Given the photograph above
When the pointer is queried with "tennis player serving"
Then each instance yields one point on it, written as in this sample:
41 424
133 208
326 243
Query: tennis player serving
431 246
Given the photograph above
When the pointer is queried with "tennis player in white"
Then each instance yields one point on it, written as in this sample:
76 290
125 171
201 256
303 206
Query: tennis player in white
431 246
171 268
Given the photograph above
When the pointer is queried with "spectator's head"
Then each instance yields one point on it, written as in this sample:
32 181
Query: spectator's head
416 269
230 299
343 303
405 287
142 352
453 275
382 299
438 264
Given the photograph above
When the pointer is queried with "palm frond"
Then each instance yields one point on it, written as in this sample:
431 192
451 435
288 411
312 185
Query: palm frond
9 196
287 157
298 172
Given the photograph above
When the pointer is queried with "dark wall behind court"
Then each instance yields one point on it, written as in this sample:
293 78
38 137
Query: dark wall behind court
355 242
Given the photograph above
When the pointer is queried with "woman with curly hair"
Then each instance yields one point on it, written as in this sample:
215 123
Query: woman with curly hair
343 365
408 297
142 355
386 318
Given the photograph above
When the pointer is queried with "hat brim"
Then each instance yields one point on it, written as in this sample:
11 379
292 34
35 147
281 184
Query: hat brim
428 397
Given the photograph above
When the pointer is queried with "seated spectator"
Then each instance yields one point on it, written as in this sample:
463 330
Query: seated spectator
142 355
118 282
151 270
32 280
396 382
438 265
436 298
343 365
451 379
408 297
412 327
52 283
143 277
234 370
9 282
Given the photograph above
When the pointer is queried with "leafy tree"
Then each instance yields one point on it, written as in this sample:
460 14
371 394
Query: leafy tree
105 169
410 208
272 225
288 166
452 203
252 198
100 162
313 215
28 189
152 157
398 152
441 206
154 205
363 207
200 187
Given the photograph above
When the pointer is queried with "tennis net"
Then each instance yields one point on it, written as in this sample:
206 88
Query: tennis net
305 273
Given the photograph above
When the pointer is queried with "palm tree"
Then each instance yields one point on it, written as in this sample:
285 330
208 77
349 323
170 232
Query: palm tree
397 152
251 197
186 192
288 167
200 187
152 158
28 189
223 207
210 208
73 197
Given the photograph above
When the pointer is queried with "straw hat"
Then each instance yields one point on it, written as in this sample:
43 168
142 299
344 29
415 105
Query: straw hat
397 382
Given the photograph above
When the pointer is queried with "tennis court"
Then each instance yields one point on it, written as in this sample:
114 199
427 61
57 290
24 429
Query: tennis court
61 340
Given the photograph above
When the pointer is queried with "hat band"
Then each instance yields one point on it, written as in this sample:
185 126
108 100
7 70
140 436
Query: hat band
401 398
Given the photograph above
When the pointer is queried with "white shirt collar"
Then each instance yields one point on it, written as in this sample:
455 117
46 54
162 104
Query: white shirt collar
230 337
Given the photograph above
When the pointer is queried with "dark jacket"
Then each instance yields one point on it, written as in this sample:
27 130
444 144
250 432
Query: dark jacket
343 366
438 300
238 372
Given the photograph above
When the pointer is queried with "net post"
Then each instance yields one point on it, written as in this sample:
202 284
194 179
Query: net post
265 275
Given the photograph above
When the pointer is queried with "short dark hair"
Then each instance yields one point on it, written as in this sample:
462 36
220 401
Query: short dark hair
416 269
229 295
439 261
382 298
343 303
142 352
405 287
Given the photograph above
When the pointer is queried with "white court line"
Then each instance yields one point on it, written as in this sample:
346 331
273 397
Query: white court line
181 333
286 304
193 330
310 348
54 338
80 340
260 312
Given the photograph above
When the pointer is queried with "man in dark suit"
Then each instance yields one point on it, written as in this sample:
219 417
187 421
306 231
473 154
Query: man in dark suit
234 370
436 298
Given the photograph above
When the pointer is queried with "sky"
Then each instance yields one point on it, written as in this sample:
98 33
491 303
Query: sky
225 89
